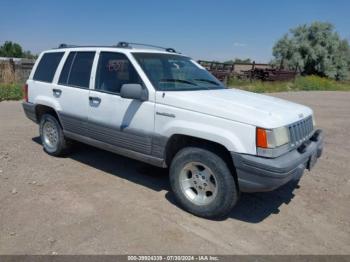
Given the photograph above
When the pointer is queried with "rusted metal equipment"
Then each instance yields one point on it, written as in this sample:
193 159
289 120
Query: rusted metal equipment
248 71
221 71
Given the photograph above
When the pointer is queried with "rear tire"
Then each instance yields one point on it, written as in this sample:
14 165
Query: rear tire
52 137
202 183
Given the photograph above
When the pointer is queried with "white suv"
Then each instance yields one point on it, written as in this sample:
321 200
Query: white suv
165 109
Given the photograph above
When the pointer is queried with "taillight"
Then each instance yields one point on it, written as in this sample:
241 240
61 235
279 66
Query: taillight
25 92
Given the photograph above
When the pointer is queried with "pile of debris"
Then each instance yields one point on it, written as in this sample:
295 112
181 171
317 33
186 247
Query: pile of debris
221 71
270 74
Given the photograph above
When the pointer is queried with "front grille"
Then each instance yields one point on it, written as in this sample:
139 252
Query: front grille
300 131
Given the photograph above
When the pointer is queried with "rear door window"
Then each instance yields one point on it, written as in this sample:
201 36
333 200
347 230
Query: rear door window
77 69
66 69
47 67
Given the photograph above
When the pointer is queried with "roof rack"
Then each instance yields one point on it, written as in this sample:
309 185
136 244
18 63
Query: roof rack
128 45
66 46
123 45
77 46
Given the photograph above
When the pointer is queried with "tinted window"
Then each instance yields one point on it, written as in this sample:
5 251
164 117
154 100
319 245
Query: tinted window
113 71
66 68
77 69
47 66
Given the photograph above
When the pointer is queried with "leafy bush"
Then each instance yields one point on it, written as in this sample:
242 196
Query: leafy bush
11 92
315 49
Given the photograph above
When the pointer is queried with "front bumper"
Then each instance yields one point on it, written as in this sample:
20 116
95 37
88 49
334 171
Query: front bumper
258 174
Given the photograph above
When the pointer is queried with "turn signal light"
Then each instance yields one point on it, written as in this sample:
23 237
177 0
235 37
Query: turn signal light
261 138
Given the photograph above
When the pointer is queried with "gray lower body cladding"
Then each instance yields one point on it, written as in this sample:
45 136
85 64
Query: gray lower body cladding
258 174
117 149
29 110
132 143
73 124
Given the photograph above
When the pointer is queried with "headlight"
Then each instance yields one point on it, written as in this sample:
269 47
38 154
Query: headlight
281 136
271 138
313 121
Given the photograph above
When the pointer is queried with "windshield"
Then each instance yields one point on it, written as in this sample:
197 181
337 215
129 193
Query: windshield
176 73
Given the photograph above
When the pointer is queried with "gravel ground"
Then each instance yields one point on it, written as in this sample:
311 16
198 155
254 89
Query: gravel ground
95 202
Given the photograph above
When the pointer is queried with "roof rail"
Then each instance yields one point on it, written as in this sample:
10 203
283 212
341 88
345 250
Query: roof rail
128 45
124 45
66 46
77 46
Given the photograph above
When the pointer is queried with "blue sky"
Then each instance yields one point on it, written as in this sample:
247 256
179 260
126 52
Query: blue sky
217 30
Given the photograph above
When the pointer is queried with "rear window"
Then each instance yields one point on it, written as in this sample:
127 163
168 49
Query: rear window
77 69
47 66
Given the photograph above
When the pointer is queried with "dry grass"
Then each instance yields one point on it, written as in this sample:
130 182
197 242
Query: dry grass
7 73
10 88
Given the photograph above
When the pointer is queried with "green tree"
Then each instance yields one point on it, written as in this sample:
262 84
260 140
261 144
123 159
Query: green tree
314 49
9 49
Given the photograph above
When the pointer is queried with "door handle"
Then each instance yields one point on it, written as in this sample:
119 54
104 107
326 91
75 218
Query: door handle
94 100
56 92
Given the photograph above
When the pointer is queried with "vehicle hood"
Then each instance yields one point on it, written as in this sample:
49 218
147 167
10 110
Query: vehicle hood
238 105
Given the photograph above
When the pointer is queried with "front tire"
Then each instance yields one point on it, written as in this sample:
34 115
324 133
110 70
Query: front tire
202 183
52 137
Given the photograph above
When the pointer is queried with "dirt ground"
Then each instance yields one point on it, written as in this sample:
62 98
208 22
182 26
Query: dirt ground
95 202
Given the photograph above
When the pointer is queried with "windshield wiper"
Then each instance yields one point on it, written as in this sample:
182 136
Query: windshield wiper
177 80
207 80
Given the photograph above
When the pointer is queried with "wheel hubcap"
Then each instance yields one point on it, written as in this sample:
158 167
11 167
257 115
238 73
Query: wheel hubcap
50 134
198 183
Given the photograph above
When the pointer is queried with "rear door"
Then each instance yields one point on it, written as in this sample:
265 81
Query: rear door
41 78
121 122
72 90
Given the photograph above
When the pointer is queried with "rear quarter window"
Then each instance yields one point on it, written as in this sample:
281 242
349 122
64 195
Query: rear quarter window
47 66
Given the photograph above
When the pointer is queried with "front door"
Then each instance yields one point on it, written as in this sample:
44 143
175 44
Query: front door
125 123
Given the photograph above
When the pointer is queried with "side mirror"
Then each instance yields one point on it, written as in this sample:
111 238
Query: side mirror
134 91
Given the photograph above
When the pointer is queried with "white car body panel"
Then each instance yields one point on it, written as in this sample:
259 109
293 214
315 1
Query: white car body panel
239 106
120 113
